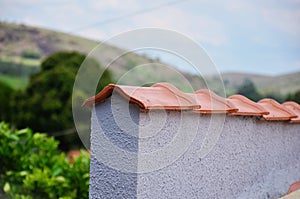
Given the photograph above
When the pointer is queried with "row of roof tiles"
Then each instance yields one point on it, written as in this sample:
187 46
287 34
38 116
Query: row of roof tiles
168 97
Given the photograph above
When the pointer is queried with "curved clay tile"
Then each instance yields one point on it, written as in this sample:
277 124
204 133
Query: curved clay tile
159 96
102 95
184 97
294 187
294 108
276 110
166 96
213 103
247 106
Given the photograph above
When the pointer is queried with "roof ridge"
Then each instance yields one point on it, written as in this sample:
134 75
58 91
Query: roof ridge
166 96
227 107
277 105
247 101
175 91
103 94
211 93
295 108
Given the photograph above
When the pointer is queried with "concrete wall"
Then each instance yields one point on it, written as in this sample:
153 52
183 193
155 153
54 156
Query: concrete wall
252 158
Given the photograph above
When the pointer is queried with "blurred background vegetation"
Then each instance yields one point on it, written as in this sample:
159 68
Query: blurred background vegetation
38 69
37 72
32 167
45 105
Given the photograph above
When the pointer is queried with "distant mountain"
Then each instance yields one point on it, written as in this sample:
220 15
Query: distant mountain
23 46
281 84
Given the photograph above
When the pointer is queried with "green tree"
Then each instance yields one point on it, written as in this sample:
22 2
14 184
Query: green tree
46 104
297 96
249 90
294 97
276 96
5 97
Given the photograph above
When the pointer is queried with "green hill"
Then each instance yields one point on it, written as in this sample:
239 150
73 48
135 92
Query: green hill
22 48
281 84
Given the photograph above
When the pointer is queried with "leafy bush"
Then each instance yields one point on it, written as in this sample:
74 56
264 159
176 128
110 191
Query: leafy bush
32 167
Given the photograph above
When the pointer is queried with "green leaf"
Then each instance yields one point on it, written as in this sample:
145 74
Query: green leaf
22 131
6 187
60 179
23 173
14 137
56 170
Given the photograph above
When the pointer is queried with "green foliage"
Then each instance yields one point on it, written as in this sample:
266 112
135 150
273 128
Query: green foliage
294 97
5 97
46 104
33 168
279 98
249 90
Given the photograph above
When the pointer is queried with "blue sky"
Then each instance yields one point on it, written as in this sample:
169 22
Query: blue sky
239 35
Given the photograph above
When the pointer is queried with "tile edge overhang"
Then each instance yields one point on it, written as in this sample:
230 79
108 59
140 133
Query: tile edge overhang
165 96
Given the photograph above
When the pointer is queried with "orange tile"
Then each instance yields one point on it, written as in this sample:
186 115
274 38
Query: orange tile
166 96
246 106
276 110
294 108
294 187
212 103
102 95
159 96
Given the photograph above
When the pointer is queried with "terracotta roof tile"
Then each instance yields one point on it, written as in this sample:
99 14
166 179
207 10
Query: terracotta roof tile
276 110
159 96
294 187
246 106
212 103
166 96
294 108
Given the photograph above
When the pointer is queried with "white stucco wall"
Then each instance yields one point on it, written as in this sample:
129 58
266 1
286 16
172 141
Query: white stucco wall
252 158
105 181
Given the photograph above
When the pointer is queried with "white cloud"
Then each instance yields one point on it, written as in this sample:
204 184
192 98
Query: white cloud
27 2
283 14
286 20
296 65
116 5
95 34
228 27
200 27
33 21
239 5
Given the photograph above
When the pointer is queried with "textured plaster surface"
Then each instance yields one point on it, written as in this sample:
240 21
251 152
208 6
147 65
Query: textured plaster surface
106 180
252 158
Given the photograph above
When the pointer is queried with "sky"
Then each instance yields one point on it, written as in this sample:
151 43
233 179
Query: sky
258 36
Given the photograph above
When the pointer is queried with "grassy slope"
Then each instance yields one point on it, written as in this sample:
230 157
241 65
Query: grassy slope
14 82
16 38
